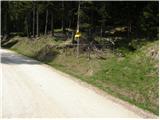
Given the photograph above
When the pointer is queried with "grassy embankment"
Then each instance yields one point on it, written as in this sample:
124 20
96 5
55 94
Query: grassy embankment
133 78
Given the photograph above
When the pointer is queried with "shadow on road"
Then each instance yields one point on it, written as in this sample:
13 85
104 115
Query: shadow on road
10 58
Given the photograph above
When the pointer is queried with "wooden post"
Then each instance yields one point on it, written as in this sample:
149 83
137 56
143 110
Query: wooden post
78 47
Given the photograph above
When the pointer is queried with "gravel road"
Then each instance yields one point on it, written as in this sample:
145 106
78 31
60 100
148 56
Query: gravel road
31 89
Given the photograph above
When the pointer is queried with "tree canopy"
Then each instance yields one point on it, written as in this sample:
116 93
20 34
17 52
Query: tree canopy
140 19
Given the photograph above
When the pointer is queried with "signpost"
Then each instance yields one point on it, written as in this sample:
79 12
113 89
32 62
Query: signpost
77 36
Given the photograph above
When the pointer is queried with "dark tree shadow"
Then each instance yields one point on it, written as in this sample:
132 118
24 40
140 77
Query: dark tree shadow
9 58
9 44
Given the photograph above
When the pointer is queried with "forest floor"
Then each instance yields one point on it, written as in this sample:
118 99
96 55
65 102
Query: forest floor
133 78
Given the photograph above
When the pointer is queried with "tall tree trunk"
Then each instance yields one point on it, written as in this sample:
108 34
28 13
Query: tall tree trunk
33 19
101 31
37 23
78 29
73 32
29 25
129 30
130 27
70 22
78 16
26 26
46 22
63 26
5 24
52 27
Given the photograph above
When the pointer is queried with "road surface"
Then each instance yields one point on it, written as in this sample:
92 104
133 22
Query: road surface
31 89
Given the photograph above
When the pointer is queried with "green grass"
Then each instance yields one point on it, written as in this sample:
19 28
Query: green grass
133 78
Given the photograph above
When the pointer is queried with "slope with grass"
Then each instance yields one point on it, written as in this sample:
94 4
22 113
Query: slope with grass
133 78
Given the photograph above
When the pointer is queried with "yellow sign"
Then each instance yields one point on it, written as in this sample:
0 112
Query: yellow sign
78 34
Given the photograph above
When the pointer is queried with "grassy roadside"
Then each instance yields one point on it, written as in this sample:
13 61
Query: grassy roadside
133 78
130 80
